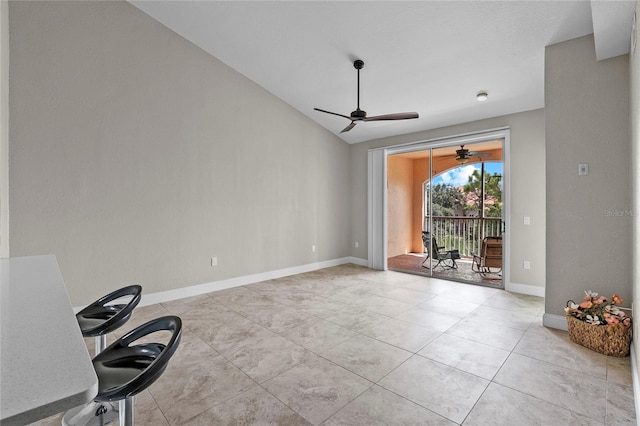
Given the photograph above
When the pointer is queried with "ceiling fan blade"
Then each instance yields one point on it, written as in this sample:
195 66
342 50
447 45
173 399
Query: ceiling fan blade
360 115
479 154
333 113
396 116
349 127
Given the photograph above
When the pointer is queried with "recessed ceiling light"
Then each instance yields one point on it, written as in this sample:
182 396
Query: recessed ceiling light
482 96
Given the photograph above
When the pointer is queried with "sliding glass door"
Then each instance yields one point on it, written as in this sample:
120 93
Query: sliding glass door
443 202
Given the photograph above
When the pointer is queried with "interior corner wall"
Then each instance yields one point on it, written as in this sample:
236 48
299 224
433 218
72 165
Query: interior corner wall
634 70
4 129
588 217
136 157
420 176
399 205
527 178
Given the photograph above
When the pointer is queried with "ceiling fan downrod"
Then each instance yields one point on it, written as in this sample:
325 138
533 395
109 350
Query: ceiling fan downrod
358 113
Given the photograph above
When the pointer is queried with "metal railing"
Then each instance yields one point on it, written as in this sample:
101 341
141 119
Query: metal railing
464 234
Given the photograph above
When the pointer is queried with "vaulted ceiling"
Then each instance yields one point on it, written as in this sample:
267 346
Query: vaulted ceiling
431 57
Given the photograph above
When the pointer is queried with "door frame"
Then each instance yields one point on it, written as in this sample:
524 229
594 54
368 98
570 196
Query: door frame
377 191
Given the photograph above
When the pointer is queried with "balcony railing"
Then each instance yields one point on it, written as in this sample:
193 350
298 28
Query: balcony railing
464 234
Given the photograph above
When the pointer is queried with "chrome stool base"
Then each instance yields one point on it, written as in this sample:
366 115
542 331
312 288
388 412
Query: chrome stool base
86 415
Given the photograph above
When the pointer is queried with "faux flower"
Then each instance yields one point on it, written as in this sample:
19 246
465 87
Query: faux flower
586 304
593 319
598 310
611 319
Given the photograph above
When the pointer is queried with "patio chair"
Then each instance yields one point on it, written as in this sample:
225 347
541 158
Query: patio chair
489 261
446 259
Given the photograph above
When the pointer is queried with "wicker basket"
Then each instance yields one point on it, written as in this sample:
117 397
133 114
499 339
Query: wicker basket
613 340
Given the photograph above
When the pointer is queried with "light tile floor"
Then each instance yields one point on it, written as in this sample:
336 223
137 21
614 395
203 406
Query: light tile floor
351 346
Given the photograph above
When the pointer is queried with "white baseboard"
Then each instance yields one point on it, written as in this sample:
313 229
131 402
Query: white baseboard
635 379
196 290
532 290
357 261
555 321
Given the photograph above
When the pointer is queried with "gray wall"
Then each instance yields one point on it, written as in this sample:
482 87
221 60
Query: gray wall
527 188
587 121
635 187
136 157
4 129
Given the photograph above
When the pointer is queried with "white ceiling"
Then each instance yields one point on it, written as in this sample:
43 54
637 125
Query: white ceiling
431 57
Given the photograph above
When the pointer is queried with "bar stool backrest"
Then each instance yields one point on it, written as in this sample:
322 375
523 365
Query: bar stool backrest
127 367
101 317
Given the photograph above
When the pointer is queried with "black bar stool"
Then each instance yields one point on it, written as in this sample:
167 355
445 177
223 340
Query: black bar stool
100 318
125 369
97 320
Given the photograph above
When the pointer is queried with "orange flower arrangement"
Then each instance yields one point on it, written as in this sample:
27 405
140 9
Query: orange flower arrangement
597 310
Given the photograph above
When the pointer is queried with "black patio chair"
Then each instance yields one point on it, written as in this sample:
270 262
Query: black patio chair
442 257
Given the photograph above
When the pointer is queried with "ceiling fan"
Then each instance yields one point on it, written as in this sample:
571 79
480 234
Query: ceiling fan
360 115
463 155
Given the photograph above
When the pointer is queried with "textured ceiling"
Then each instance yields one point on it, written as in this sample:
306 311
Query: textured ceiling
431 57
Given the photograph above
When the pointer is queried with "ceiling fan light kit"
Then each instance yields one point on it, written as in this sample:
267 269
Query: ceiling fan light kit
463 155
360 115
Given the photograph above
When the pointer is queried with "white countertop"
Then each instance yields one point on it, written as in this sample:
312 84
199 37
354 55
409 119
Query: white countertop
45 367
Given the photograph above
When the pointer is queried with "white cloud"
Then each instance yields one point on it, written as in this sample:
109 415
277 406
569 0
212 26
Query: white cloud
458 176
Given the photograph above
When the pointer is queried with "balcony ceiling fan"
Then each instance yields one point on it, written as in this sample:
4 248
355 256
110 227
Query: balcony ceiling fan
360 115
463 155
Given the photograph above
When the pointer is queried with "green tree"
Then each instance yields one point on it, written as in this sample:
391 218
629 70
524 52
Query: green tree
447 200
492 194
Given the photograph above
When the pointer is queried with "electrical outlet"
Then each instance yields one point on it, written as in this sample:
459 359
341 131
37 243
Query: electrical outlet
313 248
583 169
214 261
527 220
527 264
357 244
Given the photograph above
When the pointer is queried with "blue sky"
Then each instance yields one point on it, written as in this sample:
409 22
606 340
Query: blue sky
460 175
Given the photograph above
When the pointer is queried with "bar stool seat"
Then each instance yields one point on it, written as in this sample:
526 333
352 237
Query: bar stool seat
125 369
97 320
100 318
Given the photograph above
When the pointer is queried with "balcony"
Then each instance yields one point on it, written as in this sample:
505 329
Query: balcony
464 234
